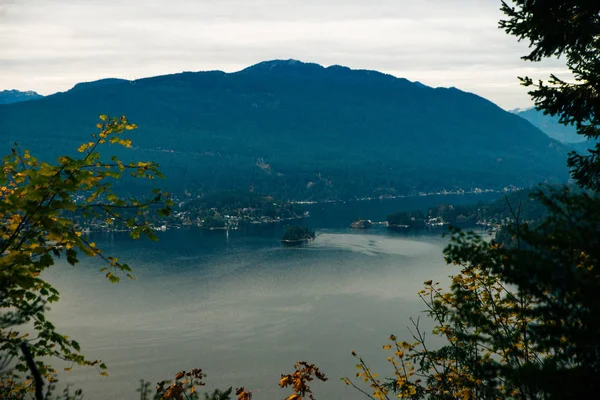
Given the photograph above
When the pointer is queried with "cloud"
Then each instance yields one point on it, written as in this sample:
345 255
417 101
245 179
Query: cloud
50 45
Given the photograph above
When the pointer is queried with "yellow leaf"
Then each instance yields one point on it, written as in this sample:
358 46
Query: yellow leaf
103 117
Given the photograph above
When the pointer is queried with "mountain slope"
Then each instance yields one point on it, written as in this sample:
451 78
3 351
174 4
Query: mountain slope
15 96
550 125
301 131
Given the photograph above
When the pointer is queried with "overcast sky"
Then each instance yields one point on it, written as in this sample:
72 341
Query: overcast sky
49 45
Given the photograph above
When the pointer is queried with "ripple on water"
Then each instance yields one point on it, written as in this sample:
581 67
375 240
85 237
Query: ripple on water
248 313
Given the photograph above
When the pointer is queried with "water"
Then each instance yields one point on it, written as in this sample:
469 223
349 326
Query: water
244 308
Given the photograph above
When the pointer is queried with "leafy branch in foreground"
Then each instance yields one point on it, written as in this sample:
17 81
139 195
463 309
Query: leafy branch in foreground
186 384
299 379
42 207
521 320
185 387
485 327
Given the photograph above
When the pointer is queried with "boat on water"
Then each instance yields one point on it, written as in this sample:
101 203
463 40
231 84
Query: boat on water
362 224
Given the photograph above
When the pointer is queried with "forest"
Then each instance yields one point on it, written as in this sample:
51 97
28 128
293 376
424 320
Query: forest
297 131
523 204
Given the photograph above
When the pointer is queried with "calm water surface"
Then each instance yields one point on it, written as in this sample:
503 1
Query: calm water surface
244 308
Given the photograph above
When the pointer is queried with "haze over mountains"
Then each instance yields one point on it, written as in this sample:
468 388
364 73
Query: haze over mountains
15 96
300 131
550 125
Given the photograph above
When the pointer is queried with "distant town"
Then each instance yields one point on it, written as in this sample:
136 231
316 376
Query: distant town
231 210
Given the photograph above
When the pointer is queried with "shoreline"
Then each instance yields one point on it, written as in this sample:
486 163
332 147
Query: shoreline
297 241
403 196
236 226
164 227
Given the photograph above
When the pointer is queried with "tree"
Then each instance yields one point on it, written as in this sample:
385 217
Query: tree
297 234
571 29
300 379
485 325
562 269
44 210
219 394
521 317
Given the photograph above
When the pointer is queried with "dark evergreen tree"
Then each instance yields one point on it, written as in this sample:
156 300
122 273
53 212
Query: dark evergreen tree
555 265
568 29
522 317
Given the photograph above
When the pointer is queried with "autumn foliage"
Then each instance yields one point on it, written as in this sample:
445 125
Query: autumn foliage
299 380
43 208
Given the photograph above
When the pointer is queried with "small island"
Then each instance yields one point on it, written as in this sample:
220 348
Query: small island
362 224
404 220
295 235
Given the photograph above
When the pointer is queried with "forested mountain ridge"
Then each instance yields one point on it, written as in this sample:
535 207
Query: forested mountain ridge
550 125
566 134
299 131
16 96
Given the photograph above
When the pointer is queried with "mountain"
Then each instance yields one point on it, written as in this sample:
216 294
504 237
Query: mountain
15 96
550 125
553 128
98 83
299 130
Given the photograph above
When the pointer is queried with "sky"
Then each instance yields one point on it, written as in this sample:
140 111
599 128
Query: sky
50 45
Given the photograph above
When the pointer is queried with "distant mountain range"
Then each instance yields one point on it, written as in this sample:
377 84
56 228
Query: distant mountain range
553 128
15 96
550 125
299 130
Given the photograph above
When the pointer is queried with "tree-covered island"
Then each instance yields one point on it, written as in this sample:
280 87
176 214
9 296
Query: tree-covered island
297 235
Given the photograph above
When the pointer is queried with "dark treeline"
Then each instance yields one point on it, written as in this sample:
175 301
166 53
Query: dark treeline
297 234
520 204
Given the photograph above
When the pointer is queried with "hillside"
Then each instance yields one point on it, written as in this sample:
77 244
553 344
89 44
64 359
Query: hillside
550 125
497 212
16 96
299 131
